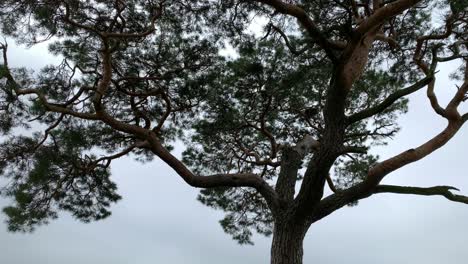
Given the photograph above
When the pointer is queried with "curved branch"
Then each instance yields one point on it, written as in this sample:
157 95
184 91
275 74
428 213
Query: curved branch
108 159
216 180
306 22
389 100
331 185
385 13
460 96
379 171
291 161
47 131
287 42
434 101
366 188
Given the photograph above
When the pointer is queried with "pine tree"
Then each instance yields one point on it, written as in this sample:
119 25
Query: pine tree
297 107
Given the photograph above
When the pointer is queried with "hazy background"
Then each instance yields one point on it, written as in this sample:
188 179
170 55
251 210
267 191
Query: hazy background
159 220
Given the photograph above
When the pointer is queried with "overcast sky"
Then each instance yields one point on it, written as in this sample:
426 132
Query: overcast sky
159 220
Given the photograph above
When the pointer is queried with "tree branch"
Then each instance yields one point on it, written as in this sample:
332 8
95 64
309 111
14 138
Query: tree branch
384 13
108 159
287 42
291 161
379 171
389 40
460 96
306 22
48 105
331 185
354 149
389 101
216 180
341 198
429 191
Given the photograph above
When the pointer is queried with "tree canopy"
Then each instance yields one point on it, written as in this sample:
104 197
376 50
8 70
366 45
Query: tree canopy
298 103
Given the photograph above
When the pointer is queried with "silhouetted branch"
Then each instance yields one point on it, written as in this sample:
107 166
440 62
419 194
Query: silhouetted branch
389 100
429 191
305 20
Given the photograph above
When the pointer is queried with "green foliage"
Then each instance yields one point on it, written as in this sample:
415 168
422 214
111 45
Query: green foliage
48 178
246 211
354 170
458 5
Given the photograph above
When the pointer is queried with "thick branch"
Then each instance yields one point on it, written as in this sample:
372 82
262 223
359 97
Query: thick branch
291 161
460 96
434 101
379 171
343 197
217 180
354 149
331 185
384 13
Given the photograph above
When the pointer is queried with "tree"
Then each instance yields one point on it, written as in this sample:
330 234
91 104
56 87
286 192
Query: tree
297 108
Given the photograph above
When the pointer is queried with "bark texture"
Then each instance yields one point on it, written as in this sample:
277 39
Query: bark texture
287 245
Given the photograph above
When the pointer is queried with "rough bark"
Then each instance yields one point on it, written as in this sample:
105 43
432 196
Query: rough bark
287 244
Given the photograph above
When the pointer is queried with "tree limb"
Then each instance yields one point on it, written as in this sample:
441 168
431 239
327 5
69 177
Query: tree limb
216 180
306 22
331 185
384 13
48 105
341 198
291 161
108 159
354 149
389 100
379 171
436 190
287 42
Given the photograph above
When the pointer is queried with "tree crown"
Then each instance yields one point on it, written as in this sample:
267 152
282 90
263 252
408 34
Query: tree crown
302 100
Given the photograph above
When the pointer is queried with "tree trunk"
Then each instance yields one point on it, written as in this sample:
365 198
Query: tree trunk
287 243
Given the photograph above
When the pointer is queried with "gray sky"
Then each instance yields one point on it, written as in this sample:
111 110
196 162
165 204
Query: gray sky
159 220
